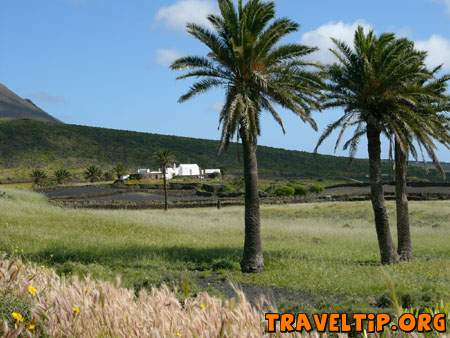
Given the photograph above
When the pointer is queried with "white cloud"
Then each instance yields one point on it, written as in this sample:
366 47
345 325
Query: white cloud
321 38
165 57
438 49
437 46
177 15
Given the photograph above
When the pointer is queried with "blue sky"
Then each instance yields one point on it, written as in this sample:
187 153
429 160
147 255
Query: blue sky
104 63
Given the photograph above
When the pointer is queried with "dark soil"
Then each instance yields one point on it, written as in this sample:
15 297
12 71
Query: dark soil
112 197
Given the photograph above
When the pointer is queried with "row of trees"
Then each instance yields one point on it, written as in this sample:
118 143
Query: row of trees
92 174
381 82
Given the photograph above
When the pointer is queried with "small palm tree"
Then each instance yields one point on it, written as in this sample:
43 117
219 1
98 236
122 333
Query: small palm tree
62 175
164 159
376 83
120 170
93 174
39 176
246 59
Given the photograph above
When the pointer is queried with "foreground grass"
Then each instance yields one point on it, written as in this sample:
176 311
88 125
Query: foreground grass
318 256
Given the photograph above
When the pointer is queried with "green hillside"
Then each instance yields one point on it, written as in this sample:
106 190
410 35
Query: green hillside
26 144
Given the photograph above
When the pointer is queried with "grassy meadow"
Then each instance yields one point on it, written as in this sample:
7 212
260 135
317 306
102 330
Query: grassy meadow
318 256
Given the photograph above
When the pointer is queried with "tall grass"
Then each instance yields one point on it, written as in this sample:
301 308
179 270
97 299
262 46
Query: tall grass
36 302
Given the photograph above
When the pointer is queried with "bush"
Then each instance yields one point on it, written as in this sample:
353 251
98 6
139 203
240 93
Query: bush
284 191
300 190
228 188
134 177
316 188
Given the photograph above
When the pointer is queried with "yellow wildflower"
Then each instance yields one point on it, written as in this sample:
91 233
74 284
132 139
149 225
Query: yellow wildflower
31 327
202 307
178 334
17 316
32 290
76 310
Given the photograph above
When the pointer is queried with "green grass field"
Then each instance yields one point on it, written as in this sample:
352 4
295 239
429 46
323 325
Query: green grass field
318 256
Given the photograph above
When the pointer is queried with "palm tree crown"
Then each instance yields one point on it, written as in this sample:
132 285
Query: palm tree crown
164 158
377 82
246 59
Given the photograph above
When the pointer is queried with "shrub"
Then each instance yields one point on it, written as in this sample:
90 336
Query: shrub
316 188
300 190
228 188
284 190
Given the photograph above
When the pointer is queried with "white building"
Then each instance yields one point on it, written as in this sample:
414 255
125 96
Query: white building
188 170
143 172
181 170
211 171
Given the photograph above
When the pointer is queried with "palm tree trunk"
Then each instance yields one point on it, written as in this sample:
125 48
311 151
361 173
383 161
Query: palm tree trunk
252 260
388 255
166 205
403 230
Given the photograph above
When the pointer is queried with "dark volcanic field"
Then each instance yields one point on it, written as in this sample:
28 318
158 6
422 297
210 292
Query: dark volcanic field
107 196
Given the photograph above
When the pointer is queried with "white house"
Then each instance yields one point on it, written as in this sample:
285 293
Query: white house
143 172
188 170
181 170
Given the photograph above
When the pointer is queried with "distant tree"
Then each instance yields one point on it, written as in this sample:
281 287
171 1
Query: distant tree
62 175
39 176
93 173
120 170
164 159
257 72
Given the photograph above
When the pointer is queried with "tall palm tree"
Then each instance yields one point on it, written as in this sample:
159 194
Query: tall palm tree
424 123
375 83
246 59
164 159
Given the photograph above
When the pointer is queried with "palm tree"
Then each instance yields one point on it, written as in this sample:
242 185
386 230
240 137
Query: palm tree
164 159
39 176
246 59
120 170
375 83
93 173
62 175
424 124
